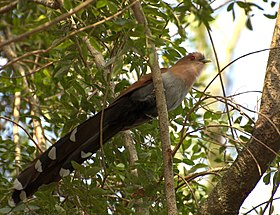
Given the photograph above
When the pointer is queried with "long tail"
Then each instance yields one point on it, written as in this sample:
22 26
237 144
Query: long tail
78 146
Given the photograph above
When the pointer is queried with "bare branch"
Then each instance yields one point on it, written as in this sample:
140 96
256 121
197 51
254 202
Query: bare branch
16 130
30 73
30 137
222 85
10 53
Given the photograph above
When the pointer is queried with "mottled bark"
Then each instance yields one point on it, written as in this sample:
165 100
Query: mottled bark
231 191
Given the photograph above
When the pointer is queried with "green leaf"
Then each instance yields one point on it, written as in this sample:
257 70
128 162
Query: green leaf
207 115
266 178
79 88
77 166
187 144
112 6
5 210
242 4
188 162
177 160
249 24
93 170
230 6
121 85
276 178
98 191
60 210
244 138
30 150
67 4
197 166
269 16
238 120
120 166
101 3
62 72
217 115
272 4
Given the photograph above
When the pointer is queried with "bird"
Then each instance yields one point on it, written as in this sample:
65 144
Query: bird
134 106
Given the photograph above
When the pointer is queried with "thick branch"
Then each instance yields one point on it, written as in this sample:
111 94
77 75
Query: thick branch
229 194
162 112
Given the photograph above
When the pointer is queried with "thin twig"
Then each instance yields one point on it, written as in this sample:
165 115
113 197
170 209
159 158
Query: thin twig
190 177
68 36
30 137
222 85
249 212
30 73
47 24
191 190
201 98
8 7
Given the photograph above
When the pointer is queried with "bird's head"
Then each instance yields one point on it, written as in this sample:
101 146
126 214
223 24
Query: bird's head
195 58
189 67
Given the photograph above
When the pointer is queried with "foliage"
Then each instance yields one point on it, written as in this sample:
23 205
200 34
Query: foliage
61 72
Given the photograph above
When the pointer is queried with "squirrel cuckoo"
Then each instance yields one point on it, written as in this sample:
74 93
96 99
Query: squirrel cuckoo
135 105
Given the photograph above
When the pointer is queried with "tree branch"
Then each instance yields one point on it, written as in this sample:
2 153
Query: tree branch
230 192
55 44
49 3
162 111
16 110
30 137
98 58
133 158
47 24
8 7
10 53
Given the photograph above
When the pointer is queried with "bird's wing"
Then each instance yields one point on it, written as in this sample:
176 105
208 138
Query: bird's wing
143 81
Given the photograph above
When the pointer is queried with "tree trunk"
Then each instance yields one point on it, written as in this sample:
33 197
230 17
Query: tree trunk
230 192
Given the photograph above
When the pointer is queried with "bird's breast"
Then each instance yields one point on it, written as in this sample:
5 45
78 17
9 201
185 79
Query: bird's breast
175 90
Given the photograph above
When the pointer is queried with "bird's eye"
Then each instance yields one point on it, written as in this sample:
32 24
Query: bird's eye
192 58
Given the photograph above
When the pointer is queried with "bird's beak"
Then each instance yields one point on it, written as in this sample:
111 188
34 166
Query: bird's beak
206 60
